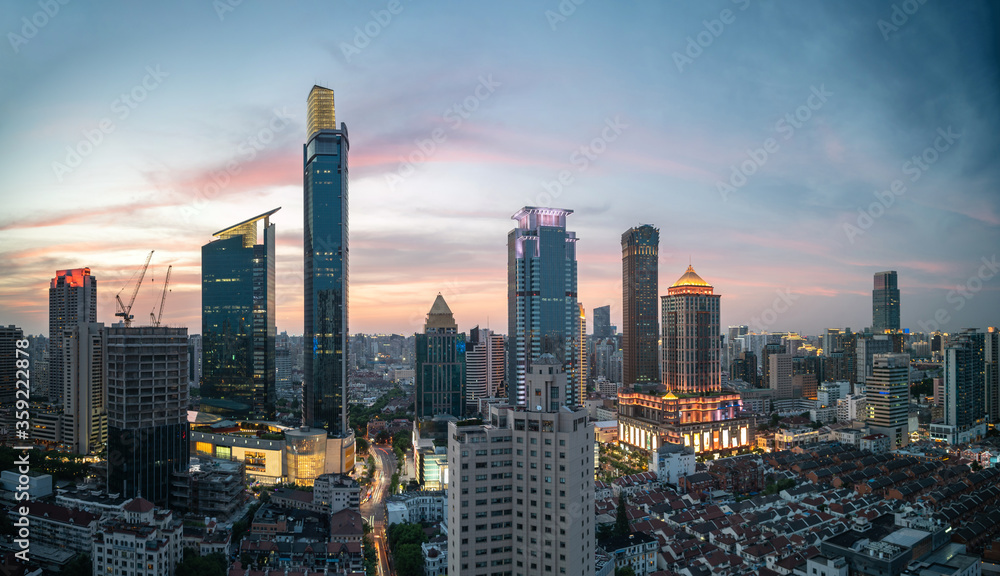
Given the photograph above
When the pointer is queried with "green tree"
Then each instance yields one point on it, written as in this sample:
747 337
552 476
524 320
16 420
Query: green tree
195 565
624 571
621 517
362 445
409 560
80 565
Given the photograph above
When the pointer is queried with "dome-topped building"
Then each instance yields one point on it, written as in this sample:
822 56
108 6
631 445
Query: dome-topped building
690 283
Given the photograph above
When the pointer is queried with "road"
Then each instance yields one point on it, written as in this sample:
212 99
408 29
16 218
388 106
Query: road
373 510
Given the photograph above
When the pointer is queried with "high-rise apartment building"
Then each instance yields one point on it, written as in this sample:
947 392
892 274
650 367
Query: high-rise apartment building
440 368
325 238
148 431
885 302
964 389
887 393
85 417
991 355
745 368
237 320
691 362
542 310
521 492
485 360
780 375
582 365
9 335
72 301
640 290
602 322
867 346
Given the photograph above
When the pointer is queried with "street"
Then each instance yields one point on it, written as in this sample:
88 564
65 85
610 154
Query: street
373 510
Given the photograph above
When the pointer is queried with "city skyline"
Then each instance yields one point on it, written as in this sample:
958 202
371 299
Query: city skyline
666 136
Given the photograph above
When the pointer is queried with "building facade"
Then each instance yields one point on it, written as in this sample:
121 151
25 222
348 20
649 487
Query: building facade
521 495
640 321
887 393
485 361
691 363
964 388
237 320
85 416
440 365
72 301
885 302
9 335
991 359
148 431
326 270
542 309
602 322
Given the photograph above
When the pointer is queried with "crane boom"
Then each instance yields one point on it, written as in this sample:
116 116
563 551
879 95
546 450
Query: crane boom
124 312
166 282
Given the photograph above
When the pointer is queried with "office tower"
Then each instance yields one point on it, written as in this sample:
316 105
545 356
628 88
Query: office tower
85 416
885 302
485 360
691 336
72 301
640 289
991 373
542 310
745 368
237 320
148 432
780 375
804 386
440 369
282 368
9 335
965 386
887 392
769 349
833 341
195 350
521 489
325 238
602 322
582 365
867 346
734 344
604 351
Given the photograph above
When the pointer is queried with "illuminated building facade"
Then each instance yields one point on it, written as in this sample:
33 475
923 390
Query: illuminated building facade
72 301
706 423
640 322
326 270
582 365
691 363
485 360
305 454
542 310
440 367
887 393
885 302
237 320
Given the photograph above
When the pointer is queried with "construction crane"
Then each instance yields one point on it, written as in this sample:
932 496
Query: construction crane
124 312
155 319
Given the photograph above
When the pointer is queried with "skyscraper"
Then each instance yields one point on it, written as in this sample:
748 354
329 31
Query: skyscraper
640 289
964 387
582 366
991 355
72 301
148 432
780 375
885 302
485 363
85 417
440 367
691 336
9 335
734 343
237 320
602 322
867 346
521 490
542 310
887 392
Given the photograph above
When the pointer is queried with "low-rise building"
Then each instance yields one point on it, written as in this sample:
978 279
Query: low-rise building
638 551
875 443
146 541
412 507
61 527
790 438
435 557
671 461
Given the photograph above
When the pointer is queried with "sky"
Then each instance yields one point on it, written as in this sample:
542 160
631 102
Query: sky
787 150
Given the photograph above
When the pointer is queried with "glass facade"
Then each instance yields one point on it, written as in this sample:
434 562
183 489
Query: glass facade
325 203
885 302
238 321
141 460
305 455
640 321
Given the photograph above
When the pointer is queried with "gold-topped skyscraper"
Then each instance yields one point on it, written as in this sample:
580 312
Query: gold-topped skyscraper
322 114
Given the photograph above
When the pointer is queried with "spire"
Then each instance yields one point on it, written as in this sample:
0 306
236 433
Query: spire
440 315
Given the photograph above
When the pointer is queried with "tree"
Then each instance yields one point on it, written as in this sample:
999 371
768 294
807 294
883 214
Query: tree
383 437
624 571
362 445
409 560
80 565
195 565
976 466
621 517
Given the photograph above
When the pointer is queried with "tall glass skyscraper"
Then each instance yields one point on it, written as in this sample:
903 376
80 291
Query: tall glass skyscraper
440 367
640 322
542 311
885 302
325 193
237 320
